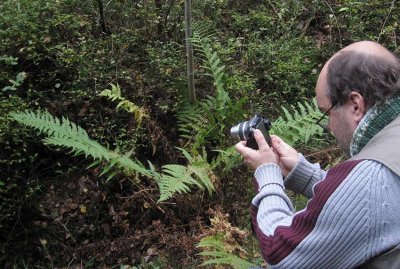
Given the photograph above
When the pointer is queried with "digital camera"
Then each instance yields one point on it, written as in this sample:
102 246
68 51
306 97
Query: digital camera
244 131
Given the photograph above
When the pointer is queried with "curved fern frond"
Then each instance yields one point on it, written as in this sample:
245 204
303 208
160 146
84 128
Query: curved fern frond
65 134
44 122
115 95
206 122
202 43
227 159
298 126
178 178
199 166
217 255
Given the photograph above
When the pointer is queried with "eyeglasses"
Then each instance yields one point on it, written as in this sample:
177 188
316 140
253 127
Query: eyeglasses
324 117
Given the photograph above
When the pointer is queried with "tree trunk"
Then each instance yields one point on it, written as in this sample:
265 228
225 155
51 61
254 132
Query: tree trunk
189 51
159 8
102 21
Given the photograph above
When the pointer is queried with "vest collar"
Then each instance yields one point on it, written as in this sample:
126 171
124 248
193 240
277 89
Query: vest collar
384 147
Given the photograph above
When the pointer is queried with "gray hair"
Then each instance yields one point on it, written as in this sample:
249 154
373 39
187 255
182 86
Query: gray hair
376 78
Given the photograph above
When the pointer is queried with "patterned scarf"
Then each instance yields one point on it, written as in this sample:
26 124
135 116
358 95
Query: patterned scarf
373 121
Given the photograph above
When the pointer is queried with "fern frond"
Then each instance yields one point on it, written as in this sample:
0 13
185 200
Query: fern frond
227 159
199 166
217 255
65 134
298 126
115 95
44 122
178 178
206 122
202 43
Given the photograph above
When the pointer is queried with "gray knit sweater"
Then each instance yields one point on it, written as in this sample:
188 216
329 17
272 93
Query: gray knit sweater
352 216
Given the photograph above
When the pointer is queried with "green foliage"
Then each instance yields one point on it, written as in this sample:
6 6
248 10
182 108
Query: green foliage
15 151
12 83
178 178
66 134
298 125
19 79
115 95
201 41
360 20
227 160
205 123
218 254
282 65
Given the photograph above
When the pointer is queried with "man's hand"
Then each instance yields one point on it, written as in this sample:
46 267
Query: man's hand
255 158
280 153
287 156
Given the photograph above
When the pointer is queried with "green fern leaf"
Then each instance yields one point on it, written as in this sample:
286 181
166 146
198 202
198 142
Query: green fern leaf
115 94
298 125
218 256
66 134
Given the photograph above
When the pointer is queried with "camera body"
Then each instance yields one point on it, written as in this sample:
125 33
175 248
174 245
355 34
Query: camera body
244 131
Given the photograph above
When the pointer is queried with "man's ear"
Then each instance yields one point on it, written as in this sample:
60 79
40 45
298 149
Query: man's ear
358 106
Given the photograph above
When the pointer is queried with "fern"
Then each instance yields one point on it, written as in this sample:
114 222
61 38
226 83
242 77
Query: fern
218 255
298 126
227 159
115 95
222 243
201 123
199 166
178 178
201 41
207 121
65 134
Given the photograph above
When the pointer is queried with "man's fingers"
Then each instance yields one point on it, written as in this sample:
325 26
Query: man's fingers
241 147
255 158
278 144
260 139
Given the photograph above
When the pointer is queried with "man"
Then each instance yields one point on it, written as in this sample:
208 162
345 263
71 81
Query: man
353 216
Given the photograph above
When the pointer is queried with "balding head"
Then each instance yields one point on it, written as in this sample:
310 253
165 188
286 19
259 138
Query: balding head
365 67
370 48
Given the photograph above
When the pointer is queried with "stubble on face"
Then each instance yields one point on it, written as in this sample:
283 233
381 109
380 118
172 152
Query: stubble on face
342 131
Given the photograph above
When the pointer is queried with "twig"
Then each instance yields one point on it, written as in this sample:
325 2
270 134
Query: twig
383 25
66 229
335 148
276 12
148 195
337 23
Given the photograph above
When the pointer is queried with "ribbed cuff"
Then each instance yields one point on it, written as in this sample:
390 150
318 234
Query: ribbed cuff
268 173
299 177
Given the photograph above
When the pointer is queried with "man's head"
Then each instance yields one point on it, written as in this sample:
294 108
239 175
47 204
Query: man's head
353 80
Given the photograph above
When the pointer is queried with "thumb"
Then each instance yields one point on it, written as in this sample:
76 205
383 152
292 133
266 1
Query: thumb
279 145
260 139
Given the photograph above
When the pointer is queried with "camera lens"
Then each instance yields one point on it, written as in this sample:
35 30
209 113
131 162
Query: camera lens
240 131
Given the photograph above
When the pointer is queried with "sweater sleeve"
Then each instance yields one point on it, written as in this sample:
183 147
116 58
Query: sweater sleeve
333 231
304 176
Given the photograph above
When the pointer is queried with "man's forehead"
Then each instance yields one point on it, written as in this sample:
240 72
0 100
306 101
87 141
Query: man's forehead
321 90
